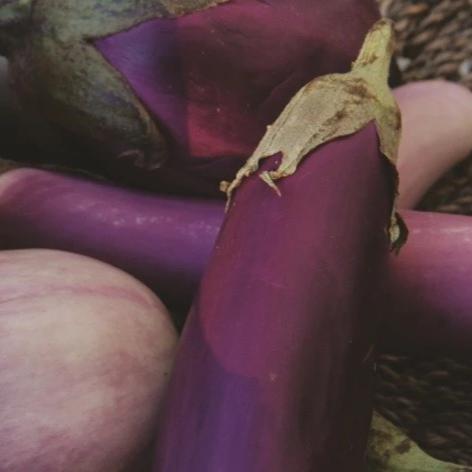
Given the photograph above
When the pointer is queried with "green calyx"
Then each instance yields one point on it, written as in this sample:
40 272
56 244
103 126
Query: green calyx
67 84
82 20
79 21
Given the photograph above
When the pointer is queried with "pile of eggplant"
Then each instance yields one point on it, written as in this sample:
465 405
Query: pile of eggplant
207 234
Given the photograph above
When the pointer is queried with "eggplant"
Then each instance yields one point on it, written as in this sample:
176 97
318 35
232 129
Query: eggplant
430 304
437 119
169 95
275 365
164 241
167 241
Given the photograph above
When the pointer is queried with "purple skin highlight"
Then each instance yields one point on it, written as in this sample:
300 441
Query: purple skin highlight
274 370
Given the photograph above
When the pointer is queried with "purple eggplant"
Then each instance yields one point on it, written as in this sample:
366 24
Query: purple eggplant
275 365
166 243
430 303
169 95
274 369
163 241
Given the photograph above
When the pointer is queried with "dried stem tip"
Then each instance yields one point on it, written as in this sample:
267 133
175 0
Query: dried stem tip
330 107
391 451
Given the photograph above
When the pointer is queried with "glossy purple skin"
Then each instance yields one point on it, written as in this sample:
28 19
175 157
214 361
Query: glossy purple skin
214 79
274 370
428 285
165 242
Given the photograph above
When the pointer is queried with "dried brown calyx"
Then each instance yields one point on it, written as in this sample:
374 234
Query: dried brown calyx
333 106
390 450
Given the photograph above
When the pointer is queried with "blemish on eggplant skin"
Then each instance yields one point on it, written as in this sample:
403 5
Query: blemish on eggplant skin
382 436
273 376
398 121
403 447
371 59
357 88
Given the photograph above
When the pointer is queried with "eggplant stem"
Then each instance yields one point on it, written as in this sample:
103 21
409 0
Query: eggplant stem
333 106
390 450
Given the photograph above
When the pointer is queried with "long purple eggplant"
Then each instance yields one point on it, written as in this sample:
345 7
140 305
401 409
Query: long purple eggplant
33 215
169 94
166 243
163 241
428 287
274 370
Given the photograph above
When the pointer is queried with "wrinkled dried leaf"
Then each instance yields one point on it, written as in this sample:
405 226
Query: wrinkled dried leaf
330 107
390 450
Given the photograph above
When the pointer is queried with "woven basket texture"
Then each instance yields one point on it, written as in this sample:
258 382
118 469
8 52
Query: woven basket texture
431 397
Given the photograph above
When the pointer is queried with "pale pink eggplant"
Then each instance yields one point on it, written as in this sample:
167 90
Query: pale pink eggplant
437 119
85 355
